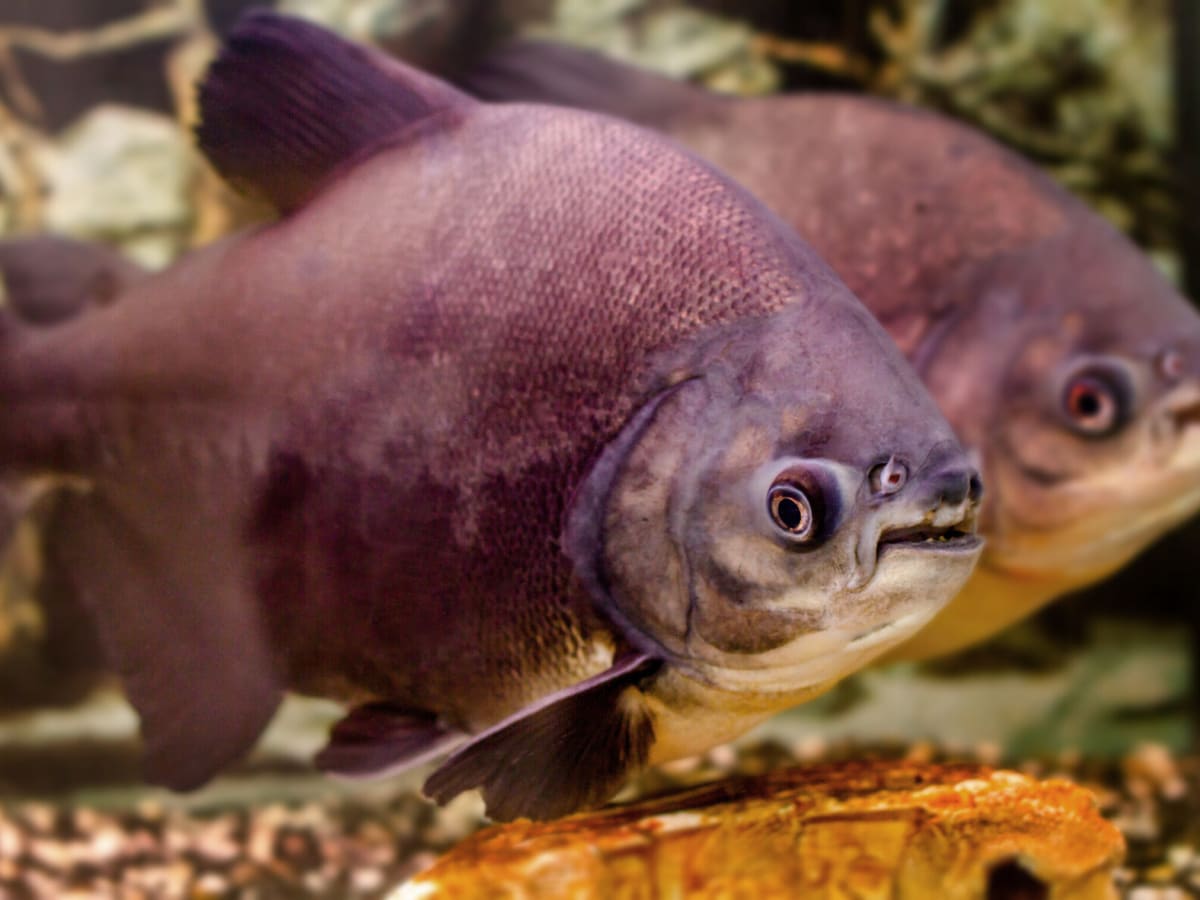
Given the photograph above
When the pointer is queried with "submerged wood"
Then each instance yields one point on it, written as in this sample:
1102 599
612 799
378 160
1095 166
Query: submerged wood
883 829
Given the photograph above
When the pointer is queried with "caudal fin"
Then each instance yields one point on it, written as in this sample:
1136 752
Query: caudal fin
47 280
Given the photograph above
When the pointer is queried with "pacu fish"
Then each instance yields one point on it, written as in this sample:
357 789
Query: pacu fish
523 432
1057 351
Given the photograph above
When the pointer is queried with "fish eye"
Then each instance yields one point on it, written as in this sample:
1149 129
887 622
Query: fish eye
1094 403
792 511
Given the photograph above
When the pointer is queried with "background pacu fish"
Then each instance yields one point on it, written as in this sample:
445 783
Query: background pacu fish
524 432
1051 343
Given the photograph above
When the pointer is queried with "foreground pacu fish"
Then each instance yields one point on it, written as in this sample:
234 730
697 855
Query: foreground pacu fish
523 432
1053 346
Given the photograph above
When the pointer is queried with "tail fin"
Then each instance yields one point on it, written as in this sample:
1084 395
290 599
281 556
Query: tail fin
49 279
544 72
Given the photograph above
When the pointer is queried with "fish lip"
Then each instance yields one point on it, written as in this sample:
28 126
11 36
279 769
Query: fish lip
924 537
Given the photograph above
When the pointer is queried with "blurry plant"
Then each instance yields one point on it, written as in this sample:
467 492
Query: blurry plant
1083 86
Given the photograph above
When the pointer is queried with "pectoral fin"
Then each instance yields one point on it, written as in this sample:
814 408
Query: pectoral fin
380 739
570 751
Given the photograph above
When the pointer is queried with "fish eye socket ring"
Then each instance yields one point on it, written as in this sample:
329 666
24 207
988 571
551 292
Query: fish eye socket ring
792 511
1095 402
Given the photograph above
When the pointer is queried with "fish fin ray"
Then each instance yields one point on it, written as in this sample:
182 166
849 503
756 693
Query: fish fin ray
534 71
287 103
380 739
180 628
570 751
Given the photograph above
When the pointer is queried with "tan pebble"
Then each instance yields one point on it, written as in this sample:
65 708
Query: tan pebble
12 841
1174 892
1152 762
150 810
210 884
810 748
420 861
141 843
682 766
455 820
106 844
366 880
1144 892
723 756
215 842
40 816
85 820
1174 788
51 853
1160 873
989 753
1139 788
316 882
42 885
260 842
1181 856
1070 758
920 752
1138 824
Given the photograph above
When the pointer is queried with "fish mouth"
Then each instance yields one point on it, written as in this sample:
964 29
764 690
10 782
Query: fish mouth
959 537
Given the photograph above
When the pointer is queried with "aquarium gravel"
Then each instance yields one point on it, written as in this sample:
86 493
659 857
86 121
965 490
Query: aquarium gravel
344 847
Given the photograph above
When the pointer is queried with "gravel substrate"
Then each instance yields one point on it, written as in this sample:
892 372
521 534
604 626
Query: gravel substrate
345 846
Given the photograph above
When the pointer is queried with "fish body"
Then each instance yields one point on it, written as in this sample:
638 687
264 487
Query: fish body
523 432
1057 351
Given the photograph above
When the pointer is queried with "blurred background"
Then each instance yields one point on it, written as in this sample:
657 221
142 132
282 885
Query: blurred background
96 99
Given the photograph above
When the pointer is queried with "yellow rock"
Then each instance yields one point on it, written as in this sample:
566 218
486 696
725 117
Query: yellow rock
836 831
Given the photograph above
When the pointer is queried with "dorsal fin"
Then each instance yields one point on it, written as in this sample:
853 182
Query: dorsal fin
534 71
287 103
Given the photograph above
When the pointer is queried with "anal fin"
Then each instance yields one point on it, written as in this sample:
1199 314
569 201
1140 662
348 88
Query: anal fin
570 751
380 739
177 617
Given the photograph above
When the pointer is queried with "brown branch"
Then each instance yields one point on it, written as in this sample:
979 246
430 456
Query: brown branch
826 57
175 20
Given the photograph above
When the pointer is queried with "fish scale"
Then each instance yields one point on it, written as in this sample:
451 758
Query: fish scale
421 407
1001 288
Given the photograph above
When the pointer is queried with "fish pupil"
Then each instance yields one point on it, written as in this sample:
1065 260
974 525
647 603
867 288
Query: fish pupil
790 514
1088 403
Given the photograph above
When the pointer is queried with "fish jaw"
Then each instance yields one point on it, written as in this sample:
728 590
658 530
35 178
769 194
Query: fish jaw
692 716
1024 568
1109 517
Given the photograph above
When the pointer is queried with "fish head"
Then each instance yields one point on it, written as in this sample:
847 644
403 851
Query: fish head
1077 378
790 509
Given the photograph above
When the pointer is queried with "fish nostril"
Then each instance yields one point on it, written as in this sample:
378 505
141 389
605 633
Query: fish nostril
1187 416
975 488
952 486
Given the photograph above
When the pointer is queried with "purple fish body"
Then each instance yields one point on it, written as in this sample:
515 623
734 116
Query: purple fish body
523 432
1057 351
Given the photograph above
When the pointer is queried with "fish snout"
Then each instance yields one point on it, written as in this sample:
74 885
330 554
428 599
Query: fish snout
948 479
953 486
1184 410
